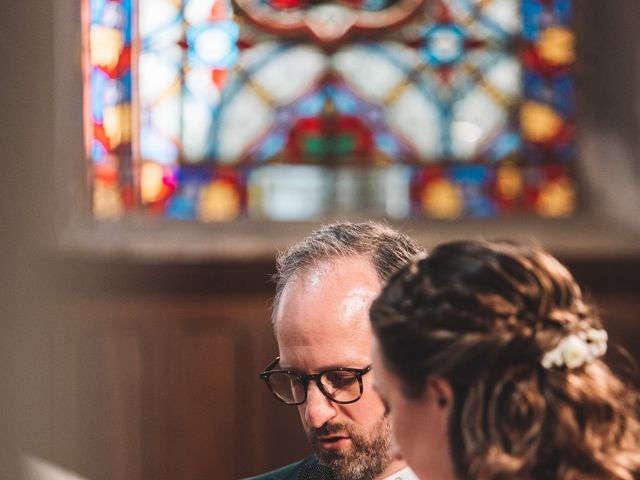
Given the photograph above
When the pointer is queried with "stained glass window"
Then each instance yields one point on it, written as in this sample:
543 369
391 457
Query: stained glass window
297 110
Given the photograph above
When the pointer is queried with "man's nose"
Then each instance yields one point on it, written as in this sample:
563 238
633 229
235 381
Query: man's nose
318 408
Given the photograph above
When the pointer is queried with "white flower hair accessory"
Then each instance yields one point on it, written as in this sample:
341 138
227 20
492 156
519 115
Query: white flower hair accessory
576 349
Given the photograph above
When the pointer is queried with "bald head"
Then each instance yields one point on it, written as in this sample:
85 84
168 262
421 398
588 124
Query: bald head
328 304
385 249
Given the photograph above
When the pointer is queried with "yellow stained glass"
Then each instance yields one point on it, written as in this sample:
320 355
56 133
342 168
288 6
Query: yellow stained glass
219 201
106 46
117 124
539 122
442 199
509 181
107 202
557 199
556 46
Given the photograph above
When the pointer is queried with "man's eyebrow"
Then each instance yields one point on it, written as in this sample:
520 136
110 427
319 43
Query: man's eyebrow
327 367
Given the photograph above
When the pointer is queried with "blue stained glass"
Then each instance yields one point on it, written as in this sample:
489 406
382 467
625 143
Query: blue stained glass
563 11
533 15
108 92
375 5
344 101
229 30
182 207
504 145
388 144
310 105
194 175
273 144
564 152
446 114
478 205
556 91
390 55
115 92
410 99
535 86
96 9
98 84
163 37
563 101
444 44
116 15
471 174
495 29
98 152
472 180
532 11
122 88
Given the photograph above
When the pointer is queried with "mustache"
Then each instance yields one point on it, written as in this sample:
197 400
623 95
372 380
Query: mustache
331 428
328 429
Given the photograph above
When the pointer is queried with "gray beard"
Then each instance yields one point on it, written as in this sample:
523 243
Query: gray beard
367 458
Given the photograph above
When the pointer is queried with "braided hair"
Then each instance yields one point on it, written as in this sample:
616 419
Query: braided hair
482 315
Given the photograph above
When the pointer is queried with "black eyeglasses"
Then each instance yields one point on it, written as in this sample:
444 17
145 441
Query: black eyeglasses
340 385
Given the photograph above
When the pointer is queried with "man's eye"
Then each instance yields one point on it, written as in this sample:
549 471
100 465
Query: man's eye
340 379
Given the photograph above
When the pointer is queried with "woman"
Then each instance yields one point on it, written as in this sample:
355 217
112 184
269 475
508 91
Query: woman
489 359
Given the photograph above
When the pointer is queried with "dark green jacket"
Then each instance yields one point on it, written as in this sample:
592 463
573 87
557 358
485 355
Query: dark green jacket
286 473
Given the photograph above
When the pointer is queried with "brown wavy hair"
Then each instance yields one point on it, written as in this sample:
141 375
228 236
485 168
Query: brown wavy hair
482 315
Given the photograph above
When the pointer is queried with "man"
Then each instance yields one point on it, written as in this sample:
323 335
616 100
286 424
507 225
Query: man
324 287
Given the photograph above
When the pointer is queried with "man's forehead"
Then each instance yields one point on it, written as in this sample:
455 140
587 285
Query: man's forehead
329 271
328 303
342 288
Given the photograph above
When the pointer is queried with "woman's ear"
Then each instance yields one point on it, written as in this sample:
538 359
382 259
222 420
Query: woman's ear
439 389
434 408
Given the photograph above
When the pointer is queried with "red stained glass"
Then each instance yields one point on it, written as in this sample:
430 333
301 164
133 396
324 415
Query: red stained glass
473 105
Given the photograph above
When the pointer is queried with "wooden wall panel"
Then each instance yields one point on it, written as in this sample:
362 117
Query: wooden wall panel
202 408
168 388
122 353
164 385
64 394
93 414
156 414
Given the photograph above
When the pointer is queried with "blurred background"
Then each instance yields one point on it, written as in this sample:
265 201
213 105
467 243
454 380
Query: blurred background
135 295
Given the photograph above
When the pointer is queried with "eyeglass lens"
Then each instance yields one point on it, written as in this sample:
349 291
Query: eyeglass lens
339 385
289 388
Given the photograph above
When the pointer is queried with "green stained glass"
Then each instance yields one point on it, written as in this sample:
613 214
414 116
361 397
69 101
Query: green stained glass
473 101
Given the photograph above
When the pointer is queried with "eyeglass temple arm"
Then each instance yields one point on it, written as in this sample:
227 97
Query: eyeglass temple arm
270 366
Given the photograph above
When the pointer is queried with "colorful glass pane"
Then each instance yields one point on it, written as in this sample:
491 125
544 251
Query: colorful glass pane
294 110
